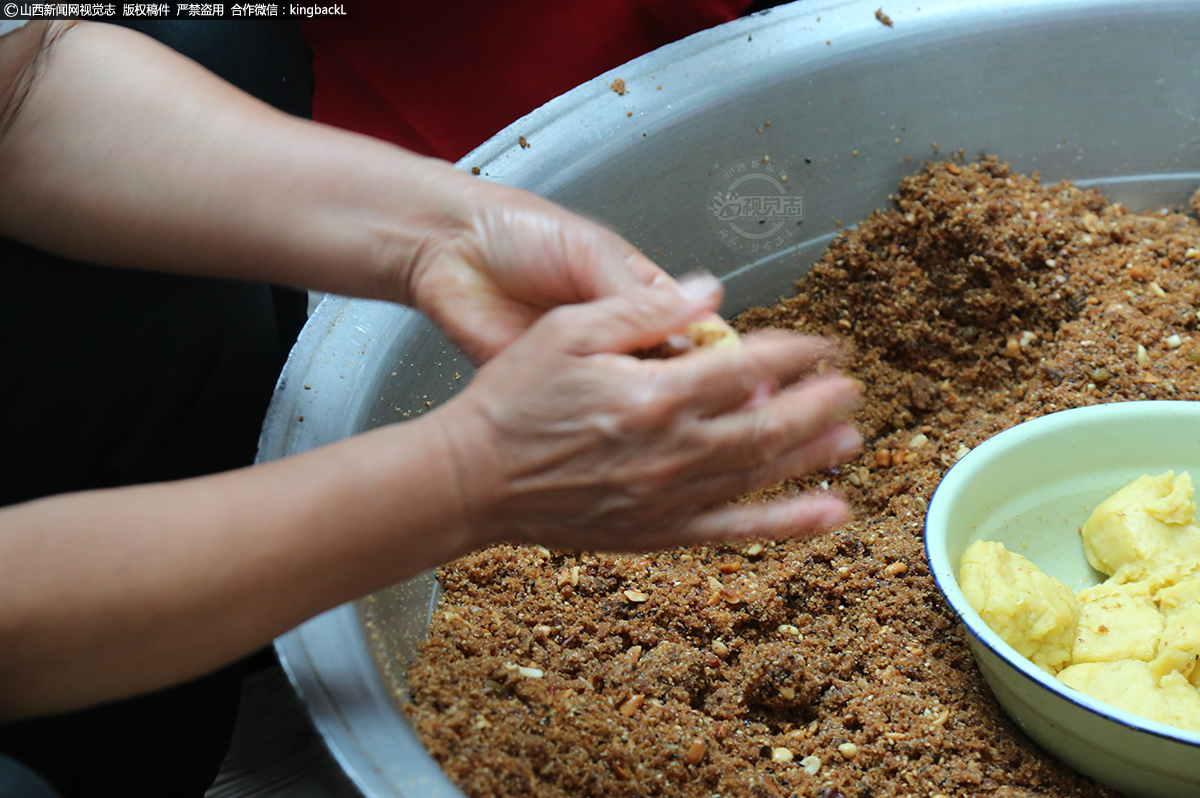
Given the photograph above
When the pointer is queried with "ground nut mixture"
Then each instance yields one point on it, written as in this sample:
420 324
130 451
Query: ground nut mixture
830 668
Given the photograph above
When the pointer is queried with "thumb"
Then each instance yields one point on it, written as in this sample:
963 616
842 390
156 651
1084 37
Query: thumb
638 317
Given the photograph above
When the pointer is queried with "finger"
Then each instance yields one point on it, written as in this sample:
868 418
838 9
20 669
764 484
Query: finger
835 445
624 267
806 516
756 436
720 380
575 259
638 270
481 323
638 318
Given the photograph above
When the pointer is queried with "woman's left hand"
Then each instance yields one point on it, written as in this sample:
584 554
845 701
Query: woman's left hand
515 257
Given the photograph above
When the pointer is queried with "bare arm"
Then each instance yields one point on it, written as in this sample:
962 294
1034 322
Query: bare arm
560 439
116 150
121 152
108 593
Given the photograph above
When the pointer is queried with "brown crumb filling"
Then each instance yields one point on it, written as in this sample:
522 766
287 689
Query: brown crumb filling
829 668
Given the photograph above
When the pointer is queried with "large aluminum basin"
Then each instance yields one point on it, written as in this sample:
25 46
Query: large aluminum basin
1105 93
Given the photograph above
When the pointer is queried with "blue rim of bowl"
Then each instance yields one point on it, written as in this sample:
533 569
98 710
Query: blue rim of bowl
978 629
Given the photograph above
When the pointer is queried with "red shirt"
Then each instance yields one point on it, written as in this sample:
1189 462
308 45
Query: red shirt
442 78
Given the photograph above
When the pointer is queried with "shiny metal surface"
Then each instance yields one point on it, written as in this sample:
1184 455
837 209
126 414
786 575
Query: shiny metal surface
1106 93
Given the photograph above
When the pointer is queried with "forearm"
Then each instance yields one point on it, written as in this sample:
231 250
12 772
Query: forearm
109 593
124 153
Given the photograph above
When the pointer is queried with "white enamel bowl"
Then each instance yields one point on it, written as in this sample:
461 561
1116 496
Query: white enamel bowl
1031 487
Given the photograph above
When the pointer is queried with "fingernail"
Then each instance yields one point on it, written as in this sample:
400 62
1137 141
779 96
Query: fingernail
762 394
851 393
699 288
847 444
681 342
833 517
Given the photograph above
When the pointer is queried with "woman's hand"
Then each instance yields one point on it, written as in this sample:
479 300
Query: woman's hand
566 440
514 257
117 151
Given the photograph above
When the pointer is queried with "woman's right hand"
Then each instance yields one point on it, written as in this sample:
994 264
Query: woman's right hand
567 440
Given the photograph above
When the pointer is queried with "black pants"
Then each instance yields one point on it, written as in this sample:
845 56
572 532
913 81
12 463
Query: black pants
113 377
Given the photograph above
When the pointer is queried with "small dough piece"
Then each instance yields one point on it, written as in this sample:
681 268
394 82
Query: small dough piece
715 333
1145 531
1129 685
1179 597
1117 622
1031 611
1174 660
1179 641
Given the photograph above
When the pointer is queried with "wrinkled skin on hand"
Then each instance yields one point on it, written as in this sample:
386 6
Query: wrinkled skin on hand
516 257
565 439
